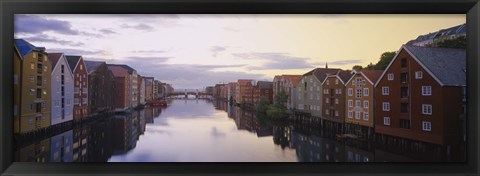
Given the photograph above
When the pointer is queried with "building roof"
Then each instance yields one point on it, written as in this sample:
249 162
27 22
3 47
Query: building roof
244 81
322 73
129 69
345 75
372 75
118 71
92 65
293 79
25 47
460 29
447 65
72 61
265 84
54 57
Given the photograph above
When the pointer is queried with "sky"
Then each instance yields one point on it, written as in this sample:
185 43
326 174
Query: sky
195 51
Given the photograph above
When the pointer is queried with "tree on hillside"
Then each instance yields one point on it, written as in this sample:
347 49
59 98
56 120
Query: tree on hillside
459 42
370 66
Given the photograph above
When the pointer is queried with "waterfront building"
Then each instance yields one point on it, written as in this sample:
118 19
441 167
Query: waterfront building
148 88
102 81
122 88
32 87
141 90
309 91
433 38
263 90
133 80
244 91
62 89
360 102
80 93
333 97
231 91
209 90
421 96
287 84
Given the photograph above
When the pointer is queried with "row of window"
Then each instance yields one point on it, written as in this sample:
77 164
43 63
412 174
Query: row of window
426 108
418 75
358 92
426 125
358 115
358 103
426 90
327 112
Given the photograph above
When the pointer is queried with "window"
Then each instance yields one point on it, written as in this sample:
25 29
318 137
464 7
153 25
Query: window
385 90
358 93
418 75
357 103
340 91
336 100
32 65
326 111
350 114
386 120
328 82
365 92
350 103
30 120
404 92
426 126
327 100
365 104
15 79
405 123
63 68
404 62
404 108
336 81
350 92
357 115
336 113
390 76
365 116
32 79
81 67
386 106
404 77
426 90
427 109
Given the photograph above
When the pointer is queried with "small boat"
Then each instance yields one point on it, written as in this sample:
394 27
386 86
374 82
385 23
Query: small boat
157 103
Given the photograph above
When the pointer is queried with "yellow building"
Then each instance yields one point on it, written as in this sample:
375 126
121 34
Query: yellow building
32 87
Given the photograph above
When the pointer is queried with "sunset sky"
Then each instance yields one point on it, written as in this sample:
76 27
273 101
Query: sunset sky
194 51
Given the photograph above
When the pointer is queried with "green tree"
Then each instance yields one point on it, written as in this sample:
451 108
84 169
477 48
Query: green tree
385 59
280 99
357 67
459 42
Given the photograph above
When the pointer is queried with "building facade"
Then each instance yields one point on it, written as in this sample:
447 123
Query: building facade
32 87
333 97
62 89
149 88
141 90
122 88
244 91
420 95
231 91
80 78
263 90
360 102
102 80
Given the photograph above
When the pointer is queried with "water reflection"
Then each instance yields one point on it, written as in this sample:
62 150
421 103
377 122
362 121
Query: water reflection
192 130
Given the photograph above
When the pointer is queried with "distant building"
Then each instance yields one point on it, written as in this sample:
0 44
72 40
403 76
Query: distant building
133 79
102 80
287 84
310 91
441 35
80 76
149 88
209 90
263 90
244 91
421 95
141 90
62 89
32 87
231 89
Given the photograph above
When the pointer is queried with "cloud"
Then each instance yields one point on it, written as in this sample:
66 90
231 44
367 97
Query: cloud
217 49
345 62
143 27
68 51
273 61
148 51
149 60
31 24
107 31
54 40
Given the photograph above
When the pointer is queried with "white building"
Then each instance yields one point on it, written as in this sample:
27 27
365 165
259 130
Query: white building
62 89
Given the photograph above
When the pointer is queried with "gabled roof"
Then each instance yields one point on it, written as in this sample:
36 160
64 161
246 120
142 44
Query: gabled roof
118 71
322 73
73 61
92 65
446 65
372 76
54 57
244 81
459 29
129 69
265 84
344 75
25 47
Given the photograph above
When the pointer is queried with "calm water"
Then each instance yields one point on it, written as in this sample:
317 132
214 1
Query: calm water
204 131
